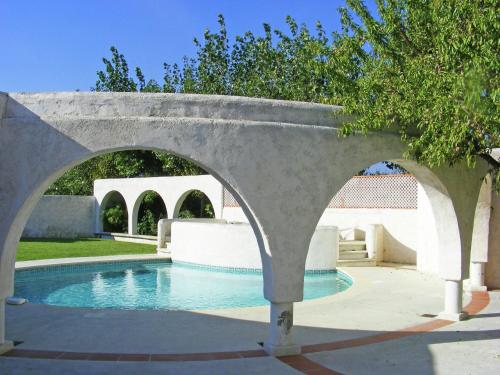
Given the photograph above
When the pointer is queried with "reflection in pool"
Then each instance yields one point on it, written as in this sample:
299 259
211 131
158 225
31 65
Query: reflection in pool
157 286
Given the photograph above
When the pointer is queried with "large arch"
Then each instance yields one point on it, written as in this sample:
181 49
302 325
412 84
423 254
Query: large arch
103 204
280 160
134 215
182 198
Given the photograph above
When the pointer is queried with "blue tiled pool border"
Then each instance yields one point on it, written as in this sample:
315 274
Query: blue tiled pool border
107 264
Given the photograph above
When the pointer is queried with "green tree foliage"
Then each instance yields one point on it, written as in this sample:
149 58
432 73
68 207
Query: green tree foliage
114 215
429 70
151 210
196 205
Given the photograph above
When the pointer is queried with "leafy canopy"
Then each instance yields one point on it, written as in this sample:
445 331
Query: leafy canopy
426 69
429 70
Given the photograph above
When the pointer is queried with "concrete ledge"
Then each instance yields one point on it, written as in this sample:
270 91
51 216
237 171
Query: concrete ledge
87 260
125 237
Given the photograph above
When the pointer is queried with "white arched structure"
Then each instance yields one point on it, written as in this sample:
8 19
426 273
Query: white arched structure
172 190
103 202
280 160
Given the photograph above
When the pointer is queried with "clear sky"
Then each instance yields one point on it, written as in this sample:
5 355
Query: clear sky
57 45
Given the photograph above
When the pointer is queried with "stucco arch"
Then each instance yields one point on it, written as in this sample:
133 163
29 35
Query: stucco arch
184 195
134 214
447 225
280 160
102 204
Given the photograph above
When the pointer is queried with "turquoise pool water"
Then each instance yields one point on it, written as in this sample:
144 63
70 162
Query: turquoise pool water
156 286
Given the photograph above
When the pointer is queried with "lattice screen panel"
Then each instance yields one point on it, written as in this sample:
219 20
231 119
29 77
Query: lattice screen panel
229 200
381 191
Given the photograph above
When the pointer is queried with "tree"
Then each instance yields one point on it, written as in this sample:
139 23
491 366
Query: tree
426 69
429 70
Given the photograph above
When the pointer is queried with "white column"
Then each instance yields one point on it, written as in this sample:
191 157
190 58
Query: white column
477 277
163 225
132 223
453 301
280 341
5 345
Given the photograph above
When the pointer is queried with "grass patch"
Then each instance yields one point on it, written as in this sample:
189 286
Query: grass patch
50 248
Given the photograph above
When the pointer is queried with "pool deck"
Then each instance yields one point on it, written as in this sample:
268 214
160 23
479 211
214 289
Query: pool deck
375 327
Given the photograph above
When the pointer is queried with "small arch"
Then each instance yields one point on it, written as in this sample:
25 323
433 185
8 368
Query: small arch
113 213
194 204
149 207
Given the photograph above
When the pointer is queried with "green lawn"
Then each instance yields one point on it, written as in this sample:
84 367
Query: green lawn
47 248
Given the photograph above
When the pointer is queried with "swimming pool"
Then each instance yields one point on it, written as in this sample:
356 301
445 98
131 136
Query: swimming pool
154 285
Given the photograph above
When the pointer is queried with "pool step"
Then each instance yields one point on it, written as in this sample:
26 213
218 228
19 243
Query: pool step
356 263
353 254
352 245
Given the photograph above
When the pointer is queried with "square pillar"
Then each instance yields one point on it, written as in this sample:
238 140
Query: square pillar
5 345
453 301
477 277
280 341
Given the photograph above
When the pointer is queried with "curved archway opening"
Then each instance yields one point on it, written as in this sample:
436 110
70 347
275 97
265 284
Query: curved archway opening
394 211
194 204
151 209
114 203
113 213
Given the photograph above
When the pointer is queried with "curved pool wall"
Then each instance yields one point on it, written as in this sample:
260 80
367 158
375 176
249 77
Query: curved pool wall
158 285
233 245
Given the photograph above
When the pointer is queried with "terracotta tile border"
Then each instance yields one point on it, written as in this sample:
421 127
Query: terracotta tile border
307 366
478 302
299 362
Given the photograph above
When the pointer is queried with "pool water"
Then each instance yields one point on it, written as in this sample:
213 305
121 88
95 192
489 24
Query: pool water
156 286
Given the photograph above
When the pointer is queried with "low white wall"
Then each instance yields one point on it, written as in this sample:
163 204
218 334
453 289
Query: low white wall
62 216
399 235
404 230
234 245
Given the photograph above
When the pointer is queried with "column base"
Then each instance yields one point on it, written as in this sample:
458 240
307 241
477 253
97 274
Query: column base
454 317
282 350
475 288
7 346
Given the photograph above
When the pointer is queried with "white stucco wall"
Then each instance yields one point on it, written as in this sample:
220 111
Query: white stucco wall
409 235
62 216
234 245
492 269
400 236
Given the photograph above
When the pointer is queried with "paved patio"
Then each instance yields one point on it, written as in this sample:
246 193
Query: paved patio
361 331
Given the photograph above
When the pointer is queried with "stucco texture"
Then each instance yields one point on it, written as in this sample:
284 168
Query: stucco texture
62 216
281 160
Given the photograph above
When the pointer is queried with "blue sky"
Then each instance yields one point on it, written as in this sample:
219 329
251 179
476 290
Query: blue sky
57 45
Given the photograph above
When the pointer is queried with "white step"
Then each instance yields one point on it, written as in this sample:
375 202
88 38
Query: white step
353 254
352 245
357 263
